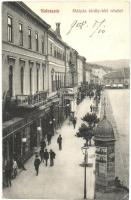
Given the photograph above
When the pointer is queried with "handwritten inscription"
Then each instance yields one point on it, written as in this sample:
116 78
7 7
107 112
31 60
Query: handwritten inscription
97 27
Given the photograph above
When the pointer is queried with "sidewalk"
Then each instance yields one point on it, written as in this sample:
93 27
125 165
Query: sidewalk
66 179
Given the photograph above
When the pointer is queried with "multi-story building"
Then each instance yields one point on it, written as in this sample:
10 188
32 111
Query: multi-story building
36 65
56 59
27 72
80 69
87 74
118 79
97 73
71 67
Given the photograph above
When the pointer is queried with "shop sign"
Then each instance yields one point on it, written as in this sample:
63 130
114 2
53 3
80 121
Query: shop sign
101 150
24 140
101 158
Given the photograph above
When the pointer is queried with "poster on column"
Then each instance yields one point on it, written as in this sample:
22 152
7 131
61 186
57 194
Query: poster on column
59 57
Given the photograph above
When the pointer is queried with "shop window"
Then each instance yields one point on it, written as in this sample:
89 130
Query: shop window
30 80
43 79
22 79
37 79
56 81
11 80
17 143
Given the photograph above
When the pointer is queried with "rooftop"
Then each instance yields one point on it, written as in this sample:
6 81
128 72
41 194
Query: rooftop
122 73
104 131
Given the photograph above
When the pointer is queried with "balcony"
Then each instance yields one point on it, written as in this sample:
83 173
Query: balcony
30 101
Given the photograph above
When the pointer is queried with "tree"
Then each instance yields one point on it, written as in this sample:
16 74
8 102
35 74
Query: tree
86 133
91 119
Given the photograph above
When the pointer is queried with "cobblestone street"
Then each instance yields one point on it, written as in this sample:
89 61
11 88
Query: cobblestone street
66 179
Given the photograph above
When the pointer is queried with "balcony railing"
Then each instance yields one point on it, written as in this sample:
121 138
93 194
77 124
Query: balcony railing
31 100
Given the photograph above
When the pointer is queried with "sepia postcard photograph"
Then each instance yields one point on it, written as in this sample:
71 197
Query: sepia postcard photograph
65 99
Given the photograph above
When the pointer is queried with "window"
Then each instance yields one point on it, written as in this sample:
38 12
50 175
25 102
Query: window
50 48
52 83
42 46
56 80
30 80
58 86
43 79
22 80
9 29
55 52
11 80
29 38
21 34
36 38
37 79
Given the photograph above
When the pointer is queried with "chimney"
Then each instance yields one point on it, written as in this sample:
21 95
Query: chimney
58 29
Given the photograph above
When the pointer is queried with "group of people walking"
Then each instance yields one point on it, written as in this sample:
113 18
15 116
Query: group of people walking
44 155
44 158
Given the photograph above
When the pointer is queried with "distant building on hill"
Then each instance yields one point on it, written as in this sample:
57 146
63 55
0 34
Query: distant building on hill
120 78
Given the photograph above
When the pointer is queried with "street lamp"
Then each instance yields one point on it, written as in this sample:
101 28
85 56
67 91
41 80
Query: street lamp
50 122
85 164
53 119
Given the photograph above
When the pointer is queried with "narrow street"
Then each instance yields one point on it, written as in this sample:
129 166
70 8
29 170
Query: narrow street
66 179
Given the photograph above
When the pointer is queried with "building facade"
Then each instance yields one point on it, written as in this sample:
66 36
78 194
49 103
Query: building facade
120 78
56 60
37 68
80 69
97 73
27 106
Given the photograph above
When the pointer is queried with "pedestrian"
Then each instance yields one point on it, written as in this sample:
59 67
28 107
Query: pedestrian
52 157
43 144
46 157
20 163
74 122
15 167
49 138
59 141
91 108
41 154
37 164
8 173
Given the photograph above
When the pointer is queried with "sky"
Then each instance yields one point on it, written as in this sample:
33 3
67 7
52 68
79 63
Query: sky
95 35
